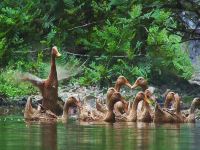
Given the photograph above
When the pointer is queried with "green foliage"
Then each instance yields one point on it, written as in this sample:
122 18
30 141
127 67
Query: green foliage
136 30
11 86
167 54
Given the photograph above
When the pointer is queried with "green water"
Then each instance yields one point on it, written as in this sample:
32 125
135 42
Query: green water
15 134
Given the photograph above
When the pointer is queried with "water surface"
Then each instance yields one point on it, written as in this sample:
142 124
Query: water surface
15 134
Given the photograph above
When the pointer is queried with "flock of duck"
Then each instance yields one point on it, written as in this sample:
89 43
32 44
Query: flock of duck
116 108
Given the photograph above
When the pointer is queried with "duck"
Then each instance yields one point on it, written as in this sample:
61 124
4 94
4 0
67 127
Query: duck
109 116
146 114
132 116
141 82
165 115
48 87
169 99
43 115
121 107
191 116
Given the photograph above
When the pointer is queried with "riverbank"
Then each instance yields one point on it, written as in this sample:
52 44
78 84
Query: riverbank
92 93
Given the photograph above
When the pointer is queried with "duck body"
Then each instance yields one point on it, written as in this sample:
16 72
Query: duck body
145 115
109 116
42 115
39 114
164 116
133 114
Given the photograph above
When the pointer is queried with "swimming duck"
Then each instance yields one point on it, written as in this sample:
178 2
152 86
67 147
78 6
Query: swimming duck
70 102
191 116
40 114
49 86
109 116
132 117
146 114
164 115
169 99
121 106
140 82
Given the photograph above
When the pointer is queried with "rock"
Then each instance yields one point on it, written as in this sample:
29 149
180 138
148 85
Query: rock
4 101
195 79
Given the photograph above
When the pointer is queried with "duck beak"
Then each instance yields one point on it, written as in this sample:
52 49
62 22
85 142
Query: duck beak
134 86
58 54
128 84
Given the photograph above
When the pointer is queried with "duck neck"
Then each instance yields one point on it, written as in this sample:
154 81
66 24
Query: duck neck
144 87
65 111
192 108
110 116
166 103
177 106
117 87
53 72
146 105
133 111
28 112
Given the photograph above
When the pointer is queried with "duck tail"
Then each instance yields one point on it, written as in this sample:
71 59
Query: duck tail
28 112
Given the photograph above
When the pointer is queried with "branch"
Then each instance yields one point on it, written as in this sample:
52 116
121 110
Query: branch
85 25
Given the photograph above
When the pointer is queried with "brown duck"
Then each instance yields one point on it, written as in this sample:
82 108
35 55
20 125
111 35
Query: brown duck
191 116
40 114
146 114
49 86
132 116
164 115
121 106
109 116
170 99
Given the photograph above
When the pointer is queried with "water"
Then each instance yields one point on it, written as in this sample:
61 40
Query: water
15 134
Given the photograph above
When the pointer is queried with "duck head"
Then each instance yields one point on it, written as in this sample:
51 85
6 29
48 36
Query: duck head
141 82
196 103
149 97
170 97
110 92
121 80
55 52
115 97
140 96
71 102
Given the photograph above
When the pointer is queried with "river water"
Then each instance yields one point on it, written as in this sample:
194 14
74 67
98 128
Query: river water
15 134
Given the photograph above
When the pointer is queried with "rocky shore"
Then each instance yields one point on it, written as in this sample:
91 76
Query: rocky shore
93 93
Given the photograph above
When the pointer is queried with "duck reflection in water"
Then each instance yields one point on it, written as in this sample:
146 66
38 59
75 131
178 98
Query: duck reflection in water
49 136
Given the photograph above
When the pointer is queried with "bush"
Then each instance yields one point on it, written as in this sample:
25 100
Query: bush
11 86
139 33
